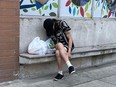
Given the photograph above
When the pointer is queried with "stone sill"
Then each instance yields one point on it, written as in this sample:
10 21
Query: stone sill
26 58
64 17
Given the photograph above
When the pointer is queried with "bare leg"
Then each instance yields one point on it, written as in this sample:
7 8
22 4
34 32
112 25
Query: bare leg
60 66
65 57
59 60
62 55
62 51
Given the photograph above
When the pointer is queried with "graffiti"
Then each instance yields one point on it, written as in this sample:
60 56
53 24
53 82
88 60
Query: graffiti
111 5
74 8
39 7
108 8
38 4
80 2
79 7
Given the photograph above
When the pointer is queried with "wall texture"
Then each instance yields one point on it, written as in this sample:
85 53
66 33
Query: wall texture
85 32
9 39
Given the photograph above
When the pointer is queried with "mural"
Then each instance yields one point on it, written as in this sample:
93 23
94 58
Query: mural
38 4
111 5
79 2
69 8
105 8
76 8
39 7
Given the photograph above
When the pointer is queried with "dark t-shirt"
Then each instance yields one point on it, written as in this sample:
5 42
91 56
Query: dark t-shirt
60 34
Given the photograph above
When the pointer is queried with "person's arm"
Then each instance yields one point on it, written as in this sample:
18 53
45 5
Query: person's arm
69 37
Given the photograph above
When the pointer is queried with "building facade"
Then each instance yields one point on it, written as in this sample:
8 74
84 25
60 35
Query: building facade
27 11
92 25
9 39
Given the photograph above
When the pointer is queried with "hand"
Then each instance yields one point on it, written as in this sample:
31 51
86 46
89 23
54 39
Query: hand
69 53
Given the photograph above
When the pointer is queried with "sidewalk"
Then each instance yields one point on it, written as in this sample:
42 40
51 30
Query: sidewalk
101 76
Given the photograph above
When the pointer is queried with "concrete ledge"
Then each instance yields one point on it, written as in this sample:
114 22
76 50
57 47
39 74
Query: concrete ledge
26 58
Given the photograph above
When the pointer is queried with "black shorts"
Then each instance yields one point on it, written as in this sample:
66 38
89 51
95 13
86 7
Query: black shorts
66 45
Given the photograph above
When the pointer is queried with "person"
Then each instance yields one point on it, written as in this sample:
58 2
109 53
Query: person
59 32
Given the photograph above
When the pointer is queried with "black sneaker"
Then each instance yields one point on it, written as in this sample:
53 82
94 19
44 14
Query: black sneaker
71 70
58 77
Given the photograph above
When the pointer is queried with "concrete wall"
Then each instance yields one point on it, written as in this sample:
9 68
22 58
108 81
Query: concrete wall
85 32
48 68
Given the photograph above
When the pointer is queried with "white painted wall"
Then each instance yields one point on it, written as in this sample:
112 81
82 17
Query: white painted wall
85 32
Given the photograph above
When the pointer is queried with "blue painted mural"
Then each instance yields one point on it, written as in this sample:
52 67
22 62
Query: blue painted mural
39 7
71 8
38 4
105 8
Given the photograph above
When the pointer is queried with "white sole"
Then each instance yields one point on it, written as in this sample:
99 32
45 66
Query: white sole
72 72
57 79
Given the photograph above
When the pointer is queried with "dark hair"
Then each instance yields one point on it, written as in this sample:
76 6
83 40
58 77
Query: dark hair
56 23
48 25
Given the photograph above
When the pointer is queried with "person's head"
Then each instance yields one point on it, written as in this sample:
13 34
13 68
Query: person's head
48 25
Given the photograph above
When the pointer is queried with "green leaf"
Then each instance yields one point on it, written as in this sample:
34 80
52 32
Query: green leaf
86 7
33 9
46 7
107 10
55 5
25 10
52 14
89 2
43 14
40 11
77 12
73 5
32 1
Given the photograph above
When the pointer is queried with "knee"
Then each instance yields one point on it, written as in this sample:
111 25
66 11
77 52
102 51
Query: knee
57 53
59 46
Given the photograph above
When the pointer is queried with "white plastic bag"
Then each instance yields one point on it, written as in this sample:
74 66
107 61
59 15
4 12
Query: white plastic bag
50 46
37 46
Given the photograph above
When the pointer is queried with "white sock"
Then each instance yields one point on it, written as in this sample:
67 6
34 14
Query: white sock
60 72
68 63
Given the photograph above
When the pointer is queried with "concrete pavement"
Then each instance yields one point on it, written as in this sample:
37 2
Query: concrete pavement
99 76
